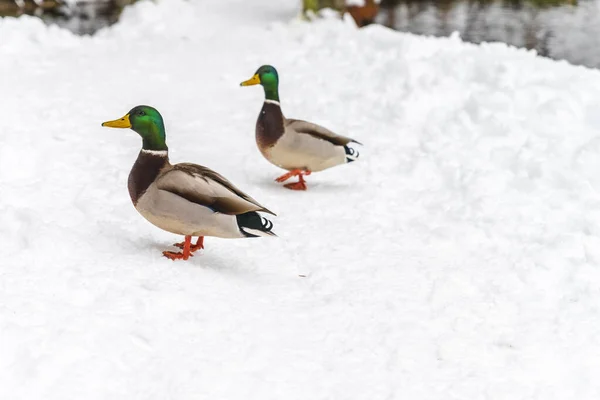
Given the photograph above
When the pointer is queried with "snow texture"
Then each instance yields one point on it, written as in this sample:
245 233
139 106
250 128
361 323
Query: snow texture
458 259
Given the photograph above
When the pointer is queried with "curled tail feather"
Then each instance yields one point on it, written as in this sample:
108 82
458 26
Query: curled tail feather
252 224
351 154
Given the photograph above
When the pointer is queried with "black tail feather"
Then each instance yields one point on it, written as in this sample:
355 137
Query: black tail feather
351 154
251 224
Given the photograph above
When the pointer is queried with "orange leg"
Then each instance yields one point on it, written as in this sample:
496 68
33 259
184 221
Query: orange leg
199 244
183 255
300 173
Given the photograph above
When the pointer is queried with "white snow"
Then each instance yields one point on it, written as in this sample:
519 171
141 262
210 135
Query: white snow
359 3
459 259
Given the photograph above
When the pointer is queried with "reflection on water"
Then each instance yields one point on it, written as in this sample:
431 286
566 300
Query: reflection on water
554 28
83 17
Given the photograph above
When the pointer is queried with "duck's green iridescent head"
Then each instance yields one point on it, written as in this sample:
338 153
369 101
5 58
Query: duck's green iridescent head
147 122
269 79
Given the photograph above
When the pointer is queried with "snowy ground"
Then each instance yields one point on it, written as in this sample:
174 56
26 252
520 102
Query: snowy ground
458 260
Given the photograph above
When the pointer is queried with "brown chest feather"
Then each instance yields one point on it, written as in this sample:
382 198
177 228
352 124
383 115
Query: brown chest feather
269 127
145 170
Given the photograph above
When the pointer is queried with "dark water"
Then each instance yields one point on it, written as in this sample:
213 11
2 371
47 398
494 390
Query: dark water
558 29
554 28
84 18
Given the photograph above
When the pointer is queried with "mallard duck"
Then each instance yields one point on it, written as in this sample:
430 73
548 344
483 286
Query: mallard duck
185 199
300 147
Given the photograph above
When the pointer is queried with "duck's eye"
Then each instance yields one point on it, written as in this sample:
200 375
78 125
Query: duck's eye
141 113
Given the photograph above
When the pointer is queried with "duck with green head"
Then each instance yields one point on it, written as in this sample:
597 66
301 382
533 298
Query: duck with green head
298 146
185 199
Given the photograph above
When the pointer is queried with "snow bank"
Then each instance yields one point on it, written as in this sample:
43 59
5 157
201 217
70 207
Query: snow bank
570 32
27 34
359 3
458 260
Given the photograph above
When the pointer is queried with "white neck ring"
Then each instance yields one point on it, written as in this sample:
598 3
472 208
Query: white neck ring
155 152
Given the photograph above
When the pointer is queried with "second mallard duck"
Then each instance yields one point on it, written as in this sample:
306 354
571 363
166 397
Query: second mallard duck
300 147
185 199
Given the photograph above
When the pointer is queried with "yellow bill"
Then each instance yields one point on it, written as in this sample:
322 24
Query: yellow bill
118 123
255 80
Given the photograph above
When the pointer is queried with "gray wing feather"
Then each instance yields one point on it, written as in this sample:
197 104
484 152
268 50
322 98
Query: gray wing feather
208 188
319 132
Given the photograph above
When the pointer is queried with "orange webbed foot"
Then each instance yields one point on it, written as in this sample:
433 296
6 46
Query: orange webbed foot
185 254
300 173
193 247
171 255
287 176
300 185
